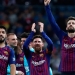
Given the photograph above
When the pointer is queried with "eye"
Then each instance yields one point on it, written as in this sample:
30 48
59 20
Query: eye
69 23
3 32
73 23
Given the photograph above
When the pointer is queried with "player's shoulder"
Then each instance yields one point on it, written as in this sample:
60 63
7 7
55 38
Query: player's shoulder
9 48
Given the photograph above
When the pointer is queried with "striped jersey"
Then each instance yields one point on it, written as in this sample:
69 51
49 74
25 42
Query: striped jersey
20 63
38 63
67 63
6 57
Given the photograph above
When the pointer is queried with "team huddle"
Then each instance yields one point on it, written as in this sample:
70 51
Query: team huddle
26 55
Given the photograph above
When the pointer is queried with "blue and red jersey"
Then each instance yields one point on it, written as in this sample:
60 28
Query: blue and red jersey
38 63
20 63
67 63
6 57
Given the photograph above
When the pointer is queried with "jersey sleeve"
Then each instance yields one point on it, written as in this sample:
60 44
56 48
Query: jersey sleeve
60 33
12 57
26 50
49 42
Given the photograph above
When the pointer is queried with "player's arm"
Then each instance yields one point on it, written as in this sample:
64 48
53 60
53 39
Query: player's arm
27 42
48 40
17 72
52 21
12 69
12 62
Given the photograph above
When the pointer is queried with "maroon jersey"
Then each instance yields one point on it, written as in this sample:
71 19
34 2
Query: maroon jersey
20 63
68 54
39 64
6 57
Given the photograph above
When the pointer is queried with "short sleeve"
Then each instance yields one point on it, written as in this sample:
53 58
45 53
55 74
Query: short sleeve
12 57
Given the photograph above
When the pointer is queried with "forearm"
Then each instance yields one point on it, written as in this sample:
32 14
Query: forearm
26 45
12 69
28 40
53 23
48 40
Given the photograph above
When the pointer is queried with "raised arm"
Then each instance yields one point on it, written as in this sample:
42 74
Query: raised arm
27 42
48 40
52 21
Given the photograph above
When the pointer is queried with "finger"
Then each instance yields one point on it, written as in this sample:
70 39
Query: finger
34 30
33 25
39 23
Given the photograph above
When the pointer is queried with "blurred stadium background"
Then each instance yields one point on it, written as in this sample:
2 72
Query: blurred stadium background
18 15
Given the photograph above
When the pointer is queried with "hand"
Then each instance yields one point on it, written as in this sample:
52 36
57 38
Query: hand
41 26
20 73
33 27
46 2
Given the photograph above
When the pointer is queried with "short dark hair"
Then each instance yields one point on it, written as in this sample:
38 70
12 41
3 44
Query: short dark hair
70 18
24 35
2 27
38 36
9 34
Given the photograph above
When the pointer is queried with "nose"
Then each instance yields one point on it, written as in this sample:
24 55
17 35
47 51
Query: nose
37 42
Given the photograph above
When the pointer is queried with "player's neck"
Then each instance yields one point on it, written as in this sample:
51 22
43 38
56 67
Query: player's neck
71 35
2 45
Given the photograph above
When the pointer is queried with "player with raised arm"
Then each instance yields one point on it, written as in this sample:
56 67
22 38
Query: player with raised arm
39 60
67 41
23 39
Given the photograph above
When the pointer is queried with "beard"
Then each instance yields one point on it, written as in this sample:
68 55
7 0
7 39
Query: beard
71 30
1 41
37 48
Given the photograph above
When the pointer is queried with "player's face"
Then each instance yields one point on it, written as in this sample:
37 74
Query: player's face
12 40
22 42
37 44
2 35
70 25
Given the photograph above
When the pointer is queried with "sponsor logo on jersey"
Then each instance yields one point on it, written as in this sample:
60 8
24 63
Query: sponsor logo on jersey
68 46
19 65
38 63
3 57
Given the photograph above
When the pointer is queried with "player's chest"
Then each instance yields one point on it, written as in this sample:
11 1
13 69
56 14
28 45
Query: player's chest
68 43
38 60
20 61
4 55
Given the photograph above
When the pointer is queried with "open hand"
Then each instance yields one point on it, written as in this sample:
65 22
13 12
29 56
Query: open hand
46 2
41 26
